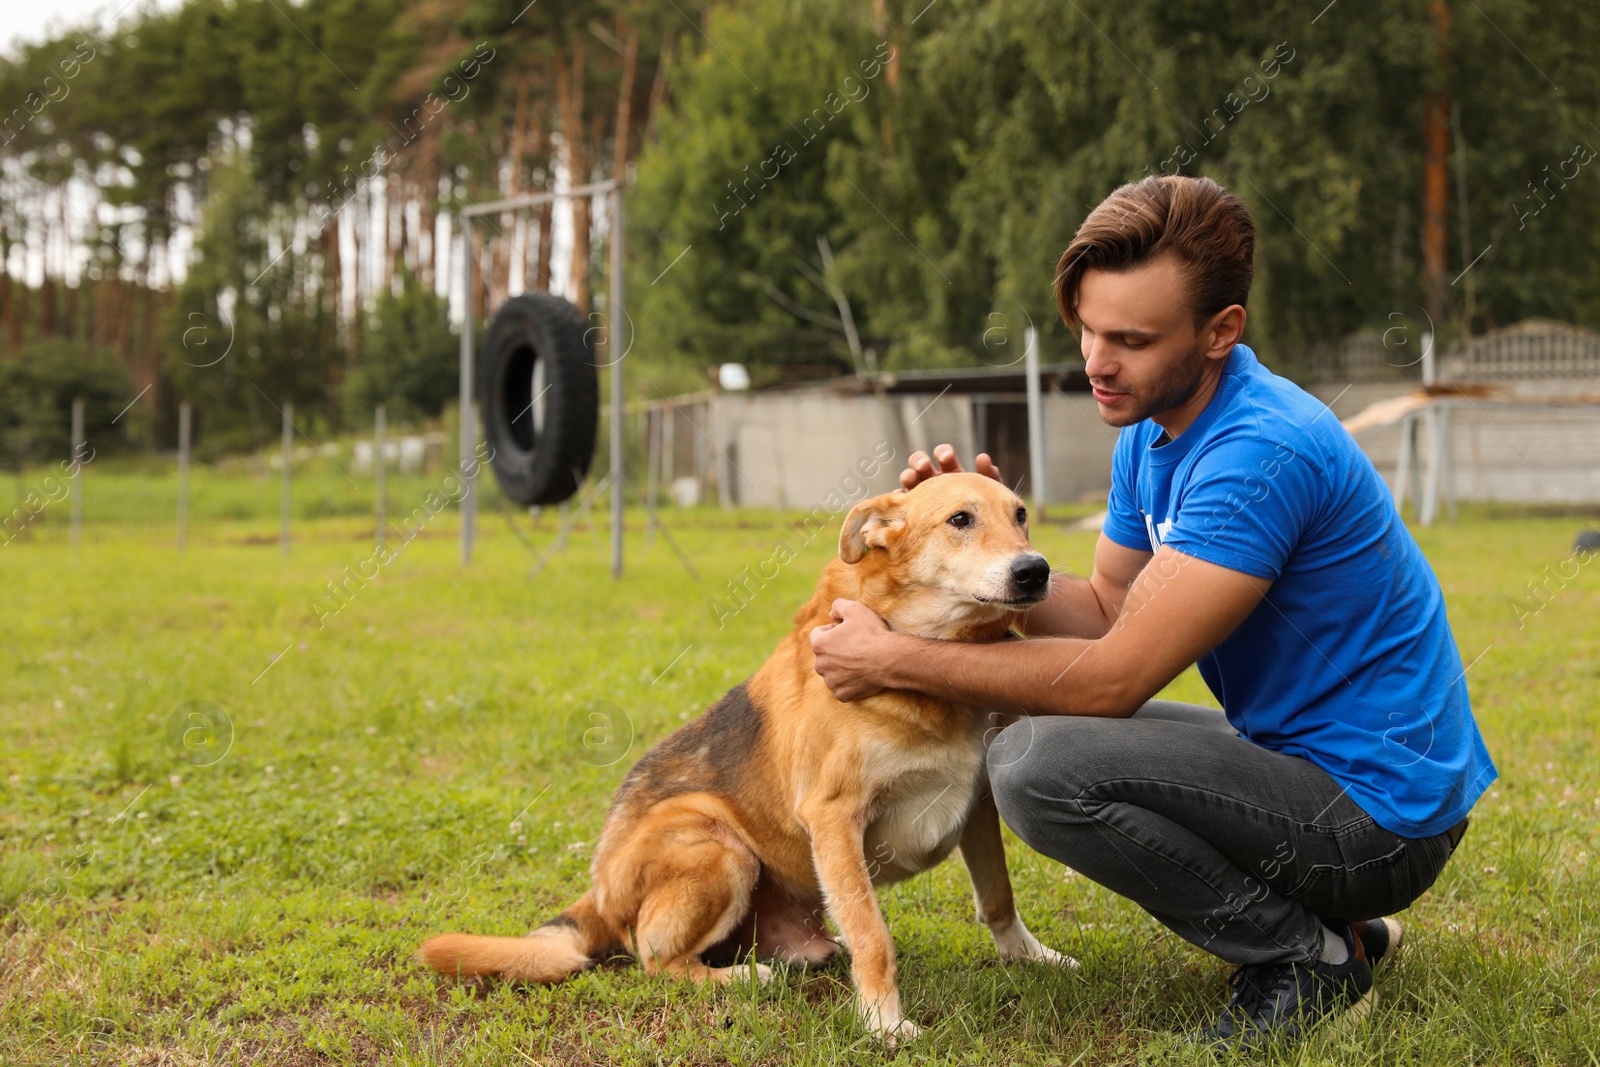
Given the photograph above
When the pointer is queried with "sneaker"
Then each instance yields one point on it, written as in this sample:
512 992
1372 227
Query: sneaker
1380 938
1285 1001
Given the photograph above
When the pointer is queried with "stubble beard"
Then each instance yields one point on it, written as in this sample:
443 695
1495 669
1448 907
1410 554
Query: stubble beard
1164 396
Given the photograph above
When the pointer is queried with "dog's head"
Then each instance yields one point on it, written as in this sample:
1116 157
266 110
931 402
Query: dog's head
950 555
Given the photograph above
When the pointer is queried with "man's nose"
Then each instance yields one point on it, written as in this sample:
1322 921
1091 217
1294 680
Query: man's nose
1097 362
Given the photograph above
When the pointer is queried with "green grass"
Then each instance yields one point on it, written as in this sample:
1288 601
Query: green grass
253 895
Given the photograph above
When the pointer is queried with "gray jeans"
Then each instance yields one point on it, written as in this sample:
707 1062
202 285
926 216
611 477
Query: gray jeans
1238 849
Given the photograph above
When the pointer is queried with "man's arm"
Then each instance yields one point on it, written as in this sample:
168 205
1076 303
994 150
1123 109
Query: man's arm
1176 609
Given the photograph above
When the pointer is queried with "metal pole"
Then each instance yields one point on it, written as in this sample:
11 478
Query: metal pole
652 436
1446 416
669 446
77 473
613 343
1428 489
379 418
1430 494
288 475
469 499
1405 462
184 428
1037 475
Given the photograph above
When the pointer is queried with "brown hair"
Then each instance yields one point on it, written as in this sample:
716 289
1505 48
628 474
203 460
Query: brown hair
1206 226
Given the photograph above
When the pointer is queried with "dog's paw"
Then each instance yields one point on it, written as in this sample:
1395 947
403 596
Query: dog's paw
1016 942
903 1031
1046 954
883 1018
759 973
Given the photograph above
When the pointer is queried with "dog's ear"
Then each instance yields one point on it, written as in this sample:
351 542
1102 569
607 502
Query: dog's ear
872 523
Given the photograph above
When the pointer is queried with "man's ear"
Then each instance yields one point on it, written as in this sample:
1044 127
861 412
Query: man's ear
871 524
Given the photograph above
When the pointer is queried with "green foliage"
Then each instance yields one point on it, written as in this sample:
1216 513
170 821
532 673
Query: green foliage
252 332
949 197
740 173
36 394
409 356
946 179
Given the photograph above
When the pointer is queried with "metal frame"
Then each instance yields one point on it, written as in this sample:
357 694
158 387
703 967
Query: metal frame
612 189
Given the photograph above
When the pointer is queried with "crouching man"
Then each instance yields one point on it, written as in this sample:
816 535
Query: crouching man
1247 533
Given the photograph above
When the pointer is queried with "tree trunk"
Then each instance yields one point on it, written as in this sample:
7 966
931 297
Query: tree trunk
331 303
547 212
570 96
127 308
630 64
658 89
8 318
47 307
20 312
352 343
427 202
1436 174
505 248
149 362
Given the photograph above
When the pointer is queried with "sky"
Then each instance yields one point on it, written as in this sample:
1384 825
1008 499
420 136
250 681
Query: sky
33 20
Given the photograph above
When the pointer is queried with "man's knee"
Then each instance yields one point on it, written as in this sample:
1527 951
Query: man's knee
1038 766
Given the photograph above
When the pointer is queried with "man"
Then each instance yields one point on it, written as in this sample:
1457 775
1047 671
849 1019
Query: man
1247 532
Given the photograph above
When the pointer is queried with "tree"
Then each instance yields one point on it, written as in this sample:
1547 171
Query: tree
409 356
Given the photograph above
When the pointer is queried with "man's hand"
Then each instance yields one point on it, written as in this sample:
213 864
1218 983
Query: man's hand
852 651
944 461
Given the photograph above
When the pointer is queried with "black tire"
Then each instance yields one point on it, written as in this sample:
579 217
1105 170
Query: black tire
1588 541
542 436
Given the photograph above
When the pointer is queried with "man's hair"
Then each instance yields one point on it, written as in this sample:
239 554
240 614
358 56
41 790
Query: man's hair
1208 228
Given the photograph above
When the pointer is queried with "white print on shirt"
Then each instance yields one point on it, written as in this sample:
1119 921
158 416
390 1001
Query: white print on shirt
1158 534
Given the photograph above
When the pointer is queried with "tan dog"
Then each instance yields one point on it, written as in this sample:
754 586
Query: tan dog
734 830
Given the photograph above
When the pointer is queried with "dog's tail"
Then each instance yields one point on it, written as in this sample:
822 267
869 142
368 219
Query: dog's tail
561 947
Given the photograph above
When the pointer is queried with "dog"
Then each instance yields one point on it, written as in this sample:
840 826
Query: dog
734 832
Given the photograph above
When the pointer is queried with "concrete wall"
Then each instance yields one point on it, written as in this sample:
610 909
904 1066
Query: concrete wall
1514 456
792 449
1077 447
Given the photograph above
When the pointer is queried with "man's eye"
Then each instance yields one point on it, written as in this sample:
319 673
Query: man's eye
1022 516
960 520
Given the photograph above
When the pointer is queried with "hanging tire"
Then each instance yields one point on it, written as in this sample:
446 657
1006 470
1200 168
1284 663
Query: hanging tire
540 398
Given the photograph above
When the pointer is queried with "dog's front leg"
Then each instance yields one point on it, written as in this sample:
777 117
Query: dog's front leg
984 852
836 849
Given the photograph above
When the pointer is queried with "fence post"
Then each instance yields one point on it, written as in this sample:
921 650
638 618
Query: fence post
613 339
1439 445
469 431
184 429
288 468
379 420
77 473
1036 470
652 486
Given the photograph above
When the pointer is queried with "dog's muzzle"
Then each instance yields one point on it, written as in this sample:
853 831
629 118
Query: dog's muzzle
1030 575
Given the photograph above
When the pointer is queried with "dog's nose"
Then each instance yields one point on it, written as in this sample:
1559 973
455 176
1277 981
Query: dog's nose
1030 573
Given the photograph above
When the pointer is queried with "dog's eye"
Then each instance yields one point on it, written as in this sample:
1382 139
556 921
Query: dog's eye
1022 516
960 520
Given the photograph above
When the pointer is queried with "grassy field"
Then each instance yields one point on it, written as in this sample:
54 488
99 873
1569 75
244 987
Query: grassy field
225 826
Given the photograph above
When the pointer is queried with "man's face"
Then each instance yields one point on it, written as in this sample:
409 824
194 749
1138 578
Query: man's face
1142 350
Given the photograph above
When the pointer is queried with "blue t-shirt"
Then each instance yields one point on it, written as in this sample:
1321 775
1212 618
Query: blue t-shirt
1349 661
